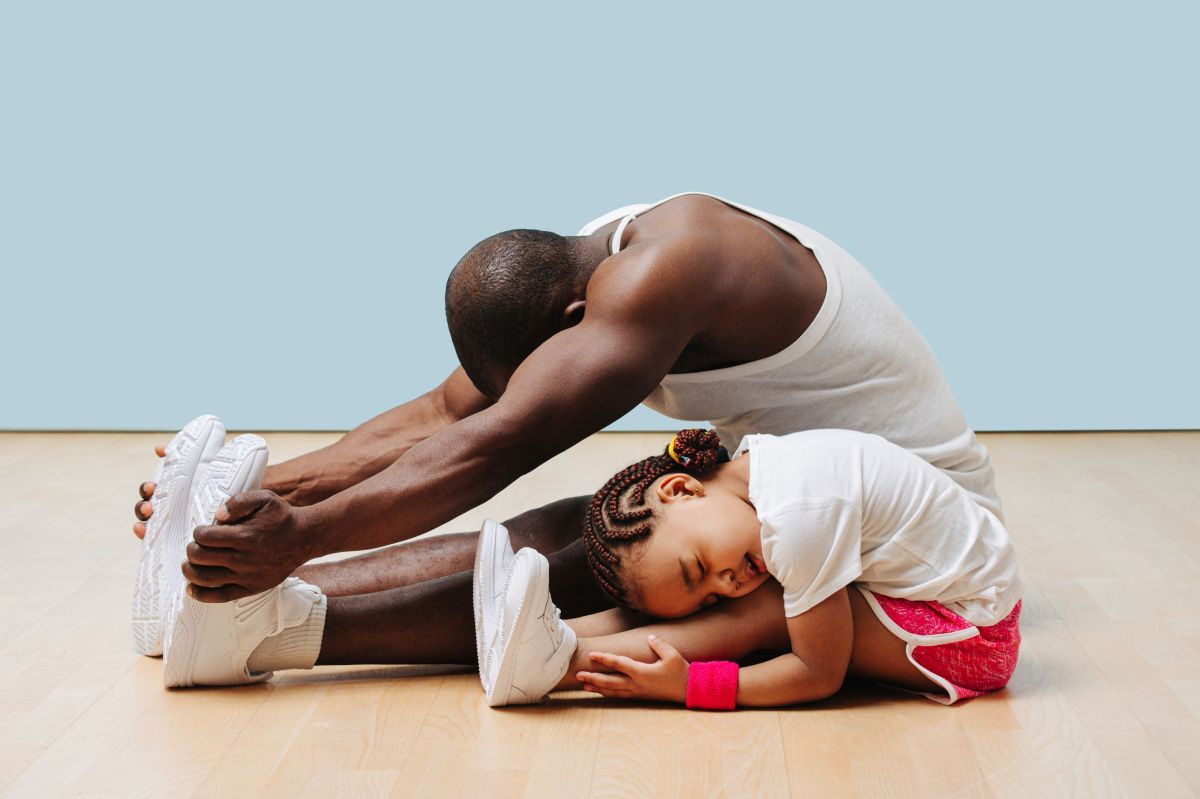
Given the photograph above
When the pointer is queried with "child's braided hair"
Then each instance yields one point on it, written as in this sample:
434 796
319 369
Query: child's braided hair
611 521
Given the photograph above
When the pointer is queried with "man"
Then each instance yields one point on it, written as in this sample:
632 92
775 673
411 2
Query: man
700 307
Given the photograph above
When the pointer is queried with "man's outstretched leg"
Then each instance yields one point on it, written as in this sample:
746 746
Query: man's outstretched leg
285 627
296 626
433 622
547 529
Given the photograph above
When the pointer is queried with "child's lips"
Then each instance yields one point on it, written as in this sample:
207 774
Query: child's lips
755 566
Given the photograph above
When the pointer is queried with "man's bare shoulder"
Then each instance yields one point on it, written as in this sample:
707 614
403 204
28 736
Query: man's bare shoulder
670 249
666 271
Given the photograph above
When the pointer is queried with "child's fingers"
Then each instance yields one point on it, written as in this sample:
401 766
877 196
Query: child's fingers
590 676
661 648
608 681
609 692
618 662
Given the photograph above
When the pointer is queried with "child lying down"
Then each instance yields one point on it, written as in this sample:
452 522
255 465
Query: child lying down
845 553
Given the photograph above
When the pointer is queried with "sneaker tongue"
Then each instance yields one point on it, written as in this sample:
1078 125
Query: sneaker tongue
295 602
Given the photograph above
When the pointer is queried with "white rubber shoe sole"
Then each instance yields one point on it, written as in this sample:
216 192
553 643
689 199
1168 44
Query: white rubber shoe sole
533 649
239 466
493 557
158 575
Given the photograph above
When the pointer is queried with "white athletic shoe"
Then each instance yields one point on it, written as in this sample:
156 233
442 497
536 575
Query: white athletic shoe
493 557
209 644
158 575
533 646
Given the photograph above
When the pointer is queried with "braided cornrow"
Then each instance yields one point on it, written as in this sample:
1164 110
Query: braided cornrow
696 451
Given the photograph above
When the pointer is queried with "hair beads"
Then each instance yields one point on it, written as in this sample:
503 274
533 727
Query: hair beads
695 451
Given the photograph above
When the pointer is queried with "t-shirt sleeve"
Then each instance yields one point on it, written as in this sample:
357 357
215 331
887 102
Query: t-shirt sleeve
813 547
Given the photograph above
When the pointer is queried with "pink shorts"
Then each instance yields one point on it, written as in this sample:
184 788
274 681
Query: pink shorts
964 659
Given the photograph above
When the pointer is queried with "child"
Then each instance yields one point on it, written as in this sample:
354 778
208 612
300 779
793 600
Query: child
889 570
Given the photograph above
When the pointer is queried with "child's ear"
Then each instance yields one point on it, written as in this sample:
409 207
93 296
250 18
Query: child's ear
679 486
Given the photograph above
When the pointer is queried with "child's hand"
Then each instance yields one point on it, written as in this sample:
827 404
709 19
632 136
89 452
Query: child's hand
664 680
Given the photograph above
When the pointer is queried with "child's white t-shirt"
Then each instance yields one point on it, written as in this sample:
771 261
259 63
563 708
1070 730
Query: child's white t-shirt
839 506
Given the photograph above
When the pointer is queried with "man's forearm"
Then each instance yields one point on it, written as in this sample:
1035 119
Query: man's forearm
439 478
364 451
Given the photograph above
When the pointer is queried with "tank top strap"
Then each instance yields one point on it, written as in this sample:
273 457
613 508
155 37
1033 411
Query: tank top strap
614 246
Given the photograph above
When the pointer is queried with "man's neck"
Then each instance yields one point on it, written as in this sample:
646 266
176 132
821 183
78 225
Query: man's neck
593 250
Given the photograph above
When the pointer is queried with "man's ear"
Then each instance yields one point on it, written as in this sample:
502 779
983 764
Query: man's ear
679 486
573 315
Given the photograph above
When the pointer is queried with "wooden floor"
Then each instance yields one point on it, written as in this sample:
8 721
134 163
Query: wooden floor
1105 701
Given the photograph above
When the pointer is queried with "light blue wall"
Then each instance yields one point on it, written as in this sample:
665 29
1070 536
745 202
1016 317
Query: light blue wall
250 208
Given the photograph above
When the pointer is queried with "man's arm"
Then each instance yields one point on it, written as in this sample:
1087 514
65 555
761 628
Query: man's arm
364 451
577 382
375 444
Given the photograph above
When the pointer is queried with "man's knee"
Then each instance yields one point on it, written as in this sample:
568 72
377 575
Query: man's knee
572 585
550 527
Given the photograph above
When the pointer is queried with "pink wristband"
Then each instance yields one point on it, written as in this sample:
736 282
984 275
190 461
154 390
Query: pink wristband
712 685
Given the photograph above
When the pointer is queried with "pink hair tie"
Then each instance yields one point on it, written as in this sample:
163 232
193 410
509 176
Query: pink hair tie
712 685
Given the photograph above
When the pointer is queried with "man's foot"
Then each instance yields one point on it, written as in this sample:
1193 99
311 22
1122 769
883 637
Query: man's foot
493 557
532 649
210 644
158 576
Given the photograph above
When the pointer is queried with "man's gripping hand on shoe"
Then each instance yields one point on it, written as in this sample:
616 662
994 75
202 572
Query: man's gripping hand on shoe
258 542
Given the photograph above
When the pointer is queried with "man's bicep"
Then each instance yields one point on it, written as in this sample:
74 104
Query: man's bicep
460 397
585 378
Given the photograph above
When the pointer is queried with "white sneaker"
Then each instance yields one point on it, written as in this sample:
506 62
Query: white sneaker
493 557
158 575
209 644
533 646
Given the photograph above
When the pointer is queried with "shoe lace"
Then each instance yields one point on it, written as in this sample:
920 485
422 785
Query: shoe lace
554 625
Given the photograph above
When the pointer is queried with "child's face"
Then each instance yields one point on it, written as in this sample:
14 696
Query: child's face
705 545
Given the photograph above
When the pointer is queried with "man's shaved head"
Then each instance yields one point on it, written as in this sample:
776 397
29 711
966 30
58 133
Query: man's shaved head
507 296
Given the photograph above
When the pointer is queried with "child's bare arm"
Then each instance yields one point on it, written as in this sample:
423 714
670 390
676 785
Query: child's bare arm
822 639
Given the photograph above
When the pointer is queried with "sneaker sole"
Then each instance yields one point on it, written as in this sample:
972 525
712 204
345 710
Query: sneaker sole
489 550
246 456
508 658
187 454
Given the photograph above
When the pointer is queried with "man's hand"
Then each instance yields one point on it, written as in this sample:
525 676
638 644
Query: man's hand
664 680
258 541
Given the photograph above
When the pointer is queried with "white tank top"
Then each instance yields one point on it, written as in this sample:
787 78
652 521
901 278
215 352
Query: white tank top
861 365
